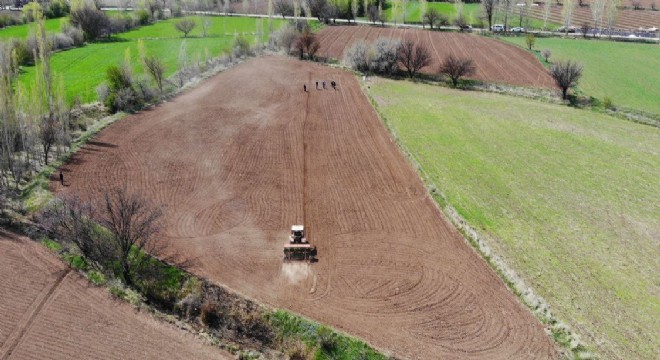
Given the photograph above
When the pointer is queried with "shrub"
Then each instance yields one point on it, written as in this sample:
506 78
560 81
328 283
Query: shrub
327 339
285 37
384 56
91 21
29 10
185 26
57 8
546 53
143 17
358 56
209 314
608 104
61 41
566 75
8 20
297 351
456 68
529 41
23 54
241 46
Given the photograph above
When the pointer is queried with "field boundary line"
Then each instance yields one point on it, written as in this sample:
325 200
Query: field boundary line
569 343
31 314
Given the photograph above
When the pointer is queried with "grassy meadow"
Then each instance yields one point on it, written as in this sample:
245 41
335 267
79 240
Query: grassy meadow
22 31
83 69
568 197
627 73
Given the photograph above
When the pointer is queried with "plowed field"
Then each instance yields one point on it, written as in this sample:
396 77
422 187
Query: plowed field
496 62
49 312
247 154
625 19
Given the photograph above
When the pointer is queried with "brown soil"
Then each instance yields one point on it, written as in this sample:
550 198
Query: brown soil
243 157
625 19
496 61
50 312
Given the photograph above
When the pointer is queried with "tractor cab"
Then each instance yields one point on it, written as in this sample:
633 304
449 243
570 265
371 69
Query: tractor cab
298 248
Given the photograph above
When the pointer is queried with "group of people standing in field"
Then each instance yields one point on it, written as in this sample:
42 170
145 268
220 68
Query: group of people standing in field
323 84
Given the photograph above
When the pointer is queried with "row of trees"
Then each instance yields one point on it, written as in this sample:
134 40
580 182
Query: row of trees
34 118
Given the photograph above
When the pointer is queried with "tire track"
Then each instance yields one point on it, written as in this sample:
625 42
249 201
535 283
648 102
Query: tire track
26 322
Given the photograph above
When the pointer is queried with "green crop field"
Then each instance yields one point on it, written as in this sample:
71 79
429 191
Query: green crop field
22 31
83 69
568 197
472 13
627 73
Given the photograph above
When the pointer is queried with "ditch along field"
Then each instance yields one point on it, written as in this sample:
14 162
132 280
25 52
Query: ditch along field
607 69
238 160
495 61
568 197
48 311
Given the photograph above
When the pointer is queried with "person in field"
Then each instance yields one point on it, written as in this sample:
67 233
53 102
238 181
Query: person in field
305 87
61 178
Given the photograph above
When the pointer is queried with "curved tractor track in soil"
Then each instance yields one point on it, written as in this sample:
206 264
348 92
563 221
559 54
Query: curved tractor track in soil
50 312
496 61
247 154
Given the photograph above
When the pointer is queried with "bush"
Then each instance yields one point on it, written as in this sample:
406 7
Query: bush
74 33
209 314
384 60
358 56
23 54
8 20
241 46
608 104
29 9
143 17
61 41
285 37
326 338
57 8
92 21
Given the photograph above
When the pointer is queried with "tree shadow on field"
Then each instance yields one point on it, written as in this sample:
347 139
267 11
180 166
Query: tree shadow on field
101 144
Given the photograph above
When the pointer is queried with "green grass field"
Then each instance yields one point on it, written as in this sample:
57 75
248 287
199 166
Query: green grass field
625 72
22 31
568 197
83 69
472 14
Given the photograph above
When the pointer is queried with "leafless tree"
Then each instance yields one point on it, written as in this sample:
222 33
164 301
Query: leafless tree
285 37
206 25
185 26
637 4
71 220
566 75
597 10
358 56
372 13
284 8
354 9
546 13
384 56
156 69
432 17
489 9
456 68
308 44
584 29
546 53
506 7
317 7
611 13
567 11
92 21
413 56
133 224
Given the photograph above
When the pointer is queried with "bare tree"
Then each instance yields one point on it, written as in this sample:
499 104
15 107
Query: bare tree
489 9
637 4
284 8
546 53
456 68
92 21
432 17
413 56
185 26
584 29
506 7
69 219
354 9
308 44
567 12
597 9
206 25
156 69
132 223
372 13
611 14
423 8
546 13
566 75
